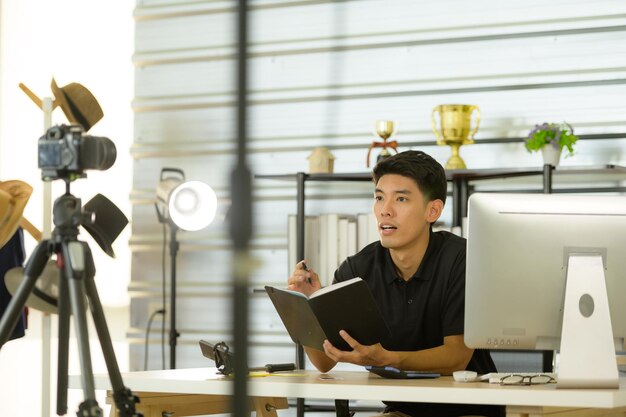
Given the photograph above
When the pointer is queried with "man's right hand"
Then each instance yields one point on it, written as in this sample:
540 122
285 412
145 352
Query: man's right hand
304 280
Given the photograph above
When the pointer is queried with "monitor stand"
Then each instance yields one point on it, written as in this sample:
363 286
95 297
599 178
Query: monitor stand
587 355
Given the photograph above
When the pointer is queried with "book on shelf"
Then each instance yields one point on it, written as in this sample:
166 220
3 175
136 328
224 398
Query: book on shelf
367 229
331 247
311 244
292 243
352 237
328 239
342 239
348 305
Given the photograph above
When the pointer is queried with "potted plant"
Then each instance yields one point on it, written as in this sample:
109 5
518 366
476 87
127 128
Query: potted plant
551 138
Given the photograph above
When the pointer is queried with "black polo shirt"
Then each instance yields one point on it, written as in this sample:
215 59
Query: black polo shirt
422 311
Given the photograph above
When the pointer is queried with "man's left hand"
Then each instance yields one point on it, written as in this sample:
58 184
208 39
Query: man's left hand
374 355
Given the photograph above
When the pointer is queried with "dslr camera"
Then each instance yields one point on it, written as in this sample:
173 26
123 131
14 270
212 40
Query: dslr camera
65 153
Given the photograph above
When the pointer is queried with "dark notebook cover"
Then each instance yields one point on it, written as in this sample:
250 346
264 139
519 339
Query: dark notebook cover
348 306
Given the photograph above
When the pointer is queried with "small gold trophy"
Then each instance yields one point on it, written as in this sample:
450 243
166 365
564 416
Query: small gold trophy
384 129
455 121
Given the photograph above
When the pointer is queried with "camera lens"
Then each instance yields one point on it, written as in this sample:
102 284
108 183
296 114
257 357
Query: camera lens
97 152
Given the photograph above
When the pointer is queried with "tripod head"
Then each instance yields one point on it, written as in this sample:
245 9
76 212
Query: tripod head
67 215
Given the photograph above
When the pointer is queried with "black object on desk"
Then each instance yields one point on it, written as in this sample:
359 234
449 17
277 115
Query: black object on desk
394 373
223 357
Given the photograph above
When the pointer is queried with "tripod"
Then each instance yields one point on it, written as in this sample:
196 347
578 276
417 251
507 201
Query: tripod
76 283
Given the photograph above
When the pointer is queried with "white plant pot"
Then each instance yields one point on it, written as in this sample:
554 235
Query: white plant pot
551 155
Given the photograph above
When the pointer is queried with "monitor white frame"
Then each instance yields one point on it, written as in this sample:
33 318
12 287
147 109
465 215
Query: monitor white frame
520 249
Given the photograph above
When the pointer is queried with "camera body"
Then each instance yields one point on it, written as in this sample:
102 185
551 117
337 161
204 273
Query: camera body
65 153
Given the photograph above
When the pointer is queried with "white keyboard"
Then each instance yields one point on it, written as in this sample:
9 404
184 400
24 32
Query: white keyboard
496 377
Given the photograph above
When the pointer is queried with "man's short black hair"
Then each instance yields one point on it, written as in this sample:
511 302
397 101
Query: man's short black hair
427 173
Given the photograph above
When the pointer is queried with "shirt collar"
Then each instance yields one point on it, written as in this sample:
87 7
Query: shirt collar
389 272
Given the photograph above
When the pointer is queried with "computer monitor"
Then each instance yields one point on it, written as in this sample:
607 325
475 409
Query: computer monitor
523 251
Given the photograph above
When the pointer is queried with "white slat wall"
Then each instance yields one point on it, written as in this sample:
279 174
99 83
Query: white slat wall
321 73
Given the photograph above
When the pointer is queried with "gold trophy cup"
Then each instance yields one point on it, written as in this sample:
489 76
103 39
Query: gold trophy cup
384 129
455 121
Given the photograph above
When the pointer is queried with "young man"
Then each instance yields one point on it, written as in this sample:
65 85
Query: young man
417 277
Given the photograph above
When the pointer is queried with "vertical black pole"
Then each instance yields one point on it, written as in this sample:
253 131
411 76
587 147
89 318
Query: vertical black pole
459 200
173 332
301 215
241 225
547 356
547 178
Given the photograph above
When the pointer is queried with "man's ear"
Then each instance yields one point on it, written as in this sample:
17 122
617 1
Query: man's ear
434 209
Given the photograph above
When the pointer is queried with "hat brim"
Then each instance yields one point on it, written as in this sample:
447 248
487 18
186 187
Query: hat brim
78 104
42 297
63 102
19 193
110 221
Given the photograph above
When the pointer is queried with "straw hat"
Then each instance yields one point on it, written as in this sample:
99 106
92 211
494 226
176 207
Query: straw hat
13 198
78 104
45 293
5 201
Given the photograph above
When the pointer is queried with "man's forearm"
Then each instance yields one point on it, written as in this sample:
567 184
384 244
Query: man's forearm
452 356
319 359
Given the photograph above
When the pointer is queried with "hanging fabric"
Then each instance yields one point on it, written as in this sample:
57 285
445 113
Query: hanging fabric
11 256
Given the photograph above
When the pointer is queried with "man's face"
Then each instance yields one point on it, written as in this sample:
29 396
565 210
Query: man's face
402 213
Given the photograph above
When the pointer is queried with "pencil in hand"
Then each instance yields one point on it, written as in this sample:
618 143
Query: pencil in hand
306 268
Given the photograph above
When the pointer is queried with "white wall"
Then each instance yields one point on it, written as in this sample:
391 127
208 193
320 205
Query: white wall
89 42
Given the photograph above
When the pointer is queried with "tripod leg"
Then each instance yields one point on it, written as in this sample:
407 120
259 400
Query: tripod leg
32 271
74 265
63 346
124 399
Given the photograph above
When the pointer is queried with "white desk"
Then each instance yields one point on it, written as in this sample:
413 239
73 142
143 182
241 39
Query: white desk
204 384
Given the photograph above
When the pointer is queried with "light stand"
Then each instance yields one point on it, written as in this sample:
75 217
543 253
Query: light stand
174 246
187 205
